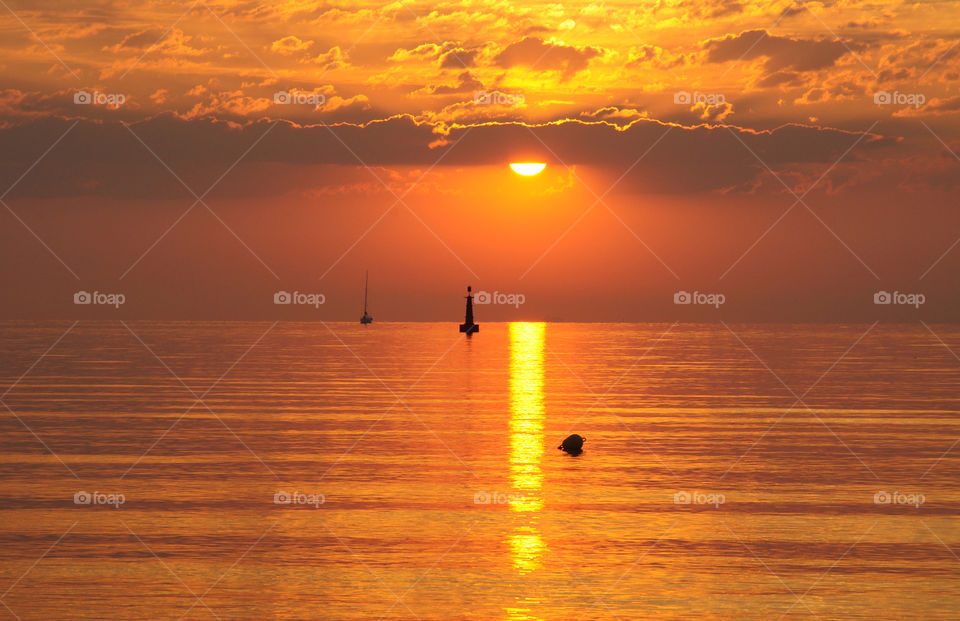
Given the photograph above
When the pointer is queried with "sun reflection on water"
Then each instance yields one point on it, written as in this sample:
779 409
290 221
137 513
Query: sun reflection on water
526 412
526 439
526 546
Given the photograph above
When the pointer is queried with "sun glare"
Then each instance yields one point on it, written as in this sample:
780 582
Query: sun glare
527 168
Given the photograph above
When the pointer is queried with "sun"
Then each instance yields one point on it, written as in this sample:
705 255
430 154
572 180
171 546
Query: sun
527 168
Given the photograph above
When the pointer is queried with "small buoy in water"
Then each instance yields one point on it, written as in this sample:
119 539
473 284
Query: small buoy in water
573 444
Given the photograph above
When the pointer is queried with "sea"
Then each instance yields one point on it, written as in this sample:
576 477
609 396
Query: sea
259 470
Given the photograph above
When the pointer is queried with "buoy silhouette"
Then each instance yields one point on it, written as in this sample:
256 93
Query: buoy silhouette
572 444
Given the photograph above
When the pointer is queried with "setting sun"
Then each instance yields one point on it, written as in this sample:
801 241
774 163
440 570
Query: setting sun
527 168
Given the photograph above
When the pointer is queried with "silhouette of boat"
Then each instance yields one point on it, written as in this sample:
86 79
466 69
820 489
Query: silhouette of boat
365 319
468 326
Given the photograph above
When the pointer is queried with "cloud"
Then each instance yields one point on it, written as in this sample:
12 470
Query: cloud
426 51
781 78
614 114
931 58
289 45
466 83
448 55
712 113
141 39
334 58
226 104
538 55
685 159
943 106
458 58
782 53
179 44
654 56
935 106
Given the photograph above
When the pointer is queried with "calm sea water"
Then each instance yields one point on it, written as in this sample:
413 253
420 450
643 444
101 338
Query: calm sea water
403 471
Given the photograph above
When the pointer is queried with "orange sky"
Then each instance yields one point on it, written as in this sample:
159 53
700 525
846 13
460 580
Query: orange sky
199 156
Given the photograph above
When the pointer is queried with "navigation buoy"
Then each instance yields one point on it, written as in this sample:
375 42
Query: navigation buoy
468 326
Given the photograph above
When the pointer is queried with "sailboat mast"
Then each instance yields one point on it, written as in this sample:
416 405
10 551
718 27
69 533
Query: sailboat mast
365 318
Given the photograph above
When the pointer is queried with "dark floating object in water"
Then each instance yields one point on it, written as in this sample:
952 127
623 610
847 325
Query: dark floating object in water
573 444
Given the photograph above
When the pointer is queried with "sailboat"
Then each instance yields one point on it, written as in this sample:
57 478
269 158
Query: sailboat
365 319
468 326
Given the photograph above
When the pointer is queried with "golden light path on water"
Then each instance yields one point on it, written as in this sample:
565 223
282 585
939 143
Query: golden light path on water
526 440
